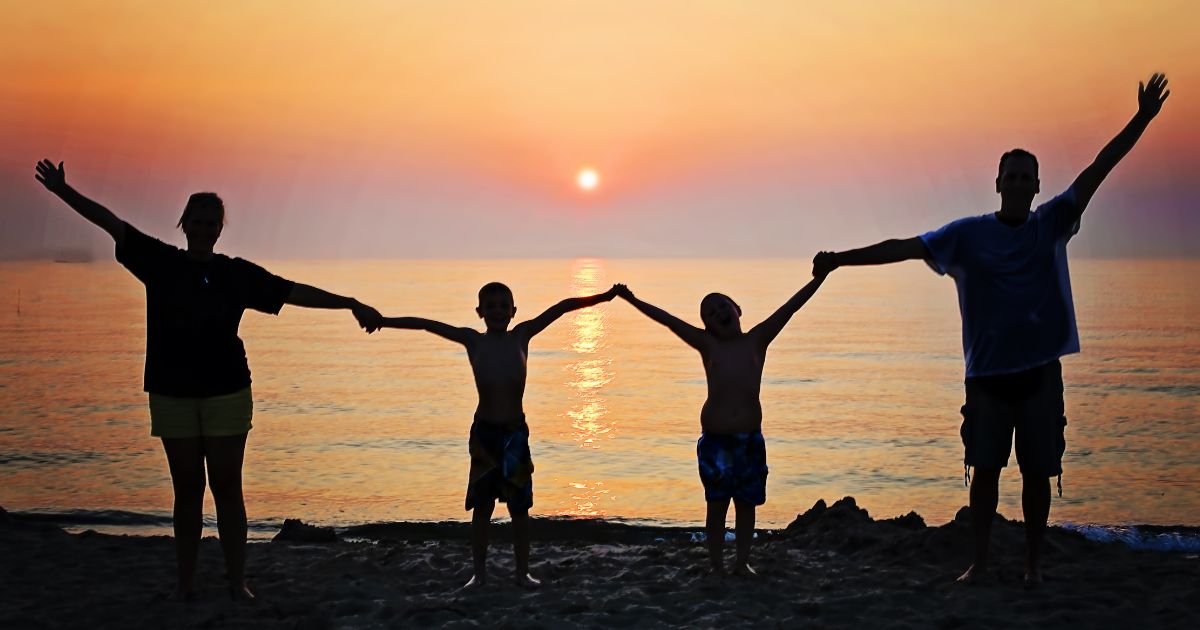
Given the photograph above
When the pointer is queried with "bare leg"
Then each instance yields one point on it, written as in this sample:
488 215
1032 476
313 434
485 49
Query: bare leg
481 520
185 457
520 521
744 515
1035 503
225 455
715 533
985 494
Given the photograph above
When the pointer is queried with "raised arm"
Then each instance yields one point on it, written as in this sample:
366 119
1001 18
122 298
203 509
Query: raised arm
766 331
1151 96
692 336
446 331
312 297
54 178
539 323
889 251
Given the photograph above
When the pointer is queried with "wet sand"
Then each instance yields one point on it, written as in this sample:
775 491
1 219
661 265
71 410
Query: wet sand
832 567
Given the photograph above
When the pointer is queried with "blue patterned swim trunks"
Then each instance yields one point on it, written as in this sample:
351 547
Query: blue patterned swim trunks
501 466
733 466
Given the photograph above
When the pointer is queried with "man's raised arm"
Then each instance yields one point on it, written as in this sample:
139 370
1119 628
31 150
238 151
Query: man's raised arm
1151 96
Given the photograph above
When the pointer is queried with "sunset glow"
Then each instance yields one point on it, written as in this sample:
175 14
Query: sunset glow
349 125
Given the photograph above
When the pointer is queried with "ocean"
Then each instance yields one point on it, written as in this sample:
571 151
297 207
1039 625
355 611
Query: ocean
861 394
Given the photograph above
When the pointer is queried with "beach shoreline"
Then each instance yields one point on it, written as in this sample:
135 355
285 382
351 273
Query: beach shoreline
834 566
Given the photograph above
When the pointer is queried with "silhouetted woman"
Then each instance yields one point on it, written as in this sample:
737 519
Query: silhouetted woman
196 376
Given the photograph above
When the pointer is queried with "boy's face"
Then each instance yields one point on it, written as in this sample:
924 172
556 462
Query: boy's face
496 309
720 315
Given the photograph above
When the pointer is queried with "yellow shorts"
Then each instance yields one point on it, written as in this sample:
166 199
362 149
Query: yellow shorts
210 416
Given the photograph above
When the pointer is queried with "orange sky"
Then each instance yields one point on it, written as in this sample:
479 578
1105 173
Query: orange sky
423 128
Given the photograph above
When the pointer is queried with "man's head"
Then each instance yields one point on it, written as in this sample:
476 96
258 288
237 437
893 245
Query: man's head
720 314
202 220
1017 178
496 305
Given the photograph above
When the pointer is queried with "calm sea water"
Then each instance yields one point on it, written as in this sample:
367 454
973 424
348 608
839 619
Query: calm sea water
861 393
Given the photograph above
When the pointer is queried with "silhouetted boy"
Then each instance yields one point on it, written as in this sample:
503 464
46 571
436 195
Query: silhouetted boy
731 451
501 466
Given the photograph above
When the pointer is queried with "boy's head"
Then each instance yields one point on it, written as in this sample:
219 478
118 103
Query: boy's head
720 314
496 305
1018 175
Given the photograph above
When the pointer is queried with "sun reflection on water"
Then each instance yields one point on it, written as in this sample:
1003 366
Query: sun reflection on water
587 376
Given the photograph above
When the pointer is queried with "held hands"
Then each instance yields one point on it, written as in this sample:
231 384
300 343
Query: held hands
613 292
823 263
52 177
622 290
368 318
1151 95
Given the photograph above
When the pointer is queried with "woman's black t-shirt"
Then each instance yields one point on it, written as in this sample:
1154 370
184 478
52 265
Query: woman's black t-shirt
193 310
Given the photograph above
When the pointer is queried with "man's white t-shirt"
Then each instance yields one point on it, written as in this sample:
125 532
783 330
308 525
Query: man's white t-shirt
1014 290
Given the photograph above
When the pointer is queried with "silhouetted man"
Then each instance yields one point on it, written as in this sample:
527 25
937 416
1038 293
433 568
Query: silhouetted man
1014 295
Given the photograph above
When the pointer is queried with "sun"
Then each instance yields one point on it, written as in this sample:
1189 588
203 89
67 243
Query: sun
588 179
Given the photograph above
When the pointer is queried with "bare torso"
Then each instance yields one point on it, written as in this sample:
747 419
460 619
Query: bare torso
498 363
733 368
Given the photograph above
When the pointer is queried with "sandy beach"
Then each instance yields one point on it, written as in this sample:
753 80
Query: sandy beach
832 567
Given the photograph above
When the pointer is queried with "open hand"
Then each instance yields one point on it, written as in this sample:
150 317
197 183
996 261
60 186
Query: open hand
368 318
52 177
823 263
1152 94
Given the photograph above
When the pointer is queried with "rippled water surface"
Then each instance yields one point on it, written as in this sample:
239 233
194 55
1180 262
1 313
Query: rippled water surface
861 393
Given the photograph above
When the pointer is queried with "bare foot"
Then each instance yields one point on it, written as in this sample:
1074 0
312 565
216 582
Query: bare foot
242 593
743 569
973 575
476 582
527 581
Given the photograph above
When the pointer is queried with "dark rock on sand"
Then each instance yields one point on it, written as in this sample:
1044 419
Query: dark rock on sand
297 531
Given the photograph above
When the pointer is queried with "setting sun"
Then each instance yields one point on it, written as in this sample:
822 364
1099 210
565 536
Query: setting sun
588 179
